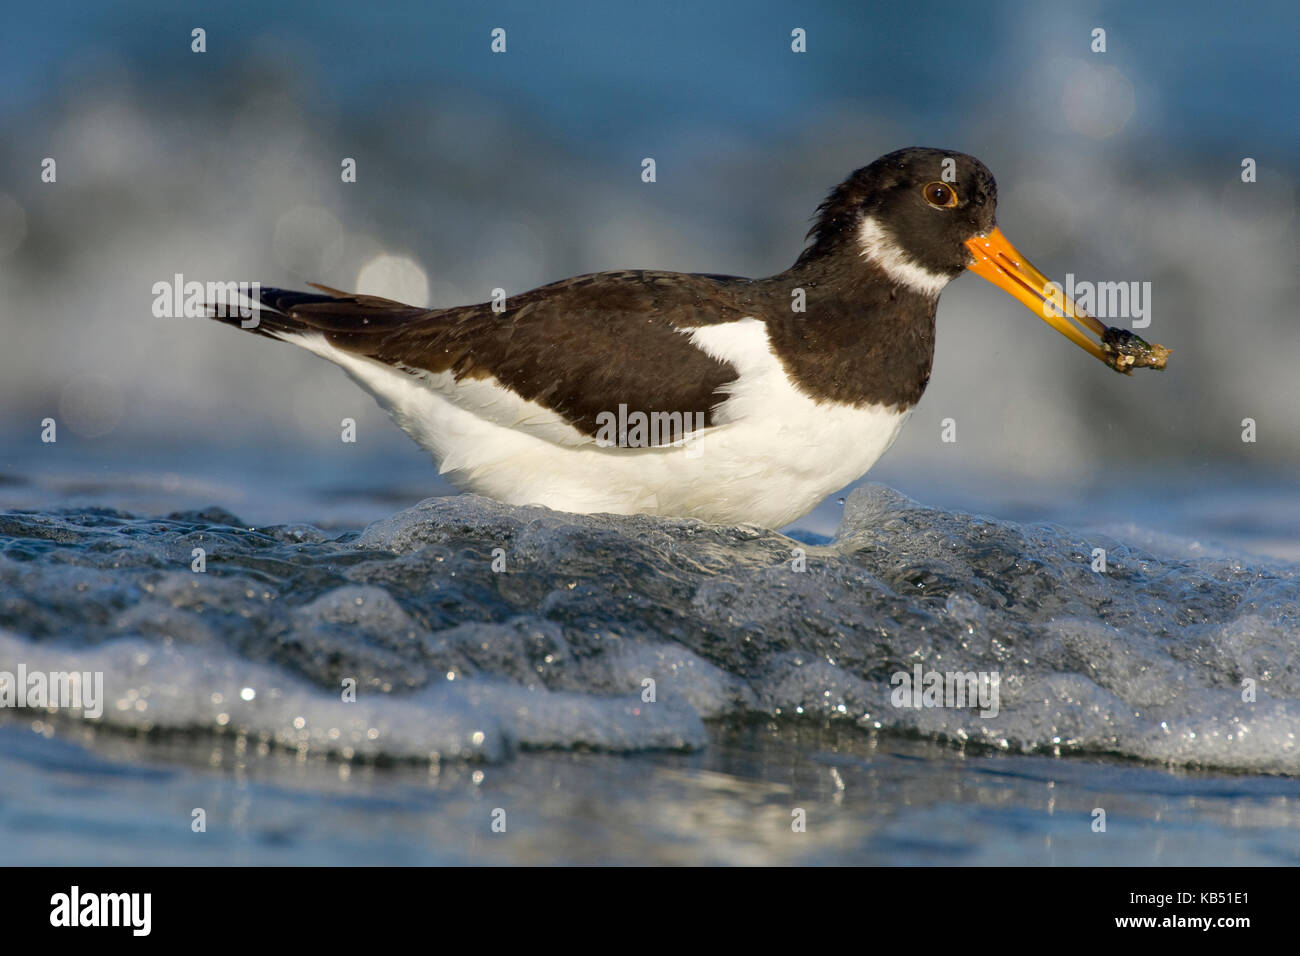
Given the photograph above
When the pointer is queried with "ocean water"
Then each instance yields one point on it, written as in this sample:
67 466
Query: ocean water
504 660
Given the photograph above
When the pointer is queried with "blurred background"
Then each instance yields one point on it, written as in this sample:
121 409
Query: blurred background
478 169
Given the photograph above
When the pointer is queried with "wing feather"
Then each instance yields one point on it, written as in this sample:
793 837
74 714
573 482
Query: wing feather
577 348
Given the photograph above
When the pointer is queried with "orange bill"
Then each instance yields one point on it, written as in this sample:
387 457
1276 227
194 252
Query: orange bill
997 260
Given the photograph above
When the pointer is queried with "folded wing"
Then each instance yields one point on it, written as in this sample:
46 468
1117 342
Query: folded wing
551 363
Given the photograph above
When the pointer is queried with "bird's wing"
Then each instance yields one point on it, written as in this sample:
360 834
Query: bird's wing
577 348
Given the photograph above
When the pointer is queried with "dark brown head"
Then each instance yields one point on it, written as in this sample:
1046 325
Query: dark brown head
913 209
921 216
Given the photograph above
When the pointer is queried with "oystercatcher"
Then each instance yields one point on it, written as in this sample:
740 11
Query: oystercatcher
728 399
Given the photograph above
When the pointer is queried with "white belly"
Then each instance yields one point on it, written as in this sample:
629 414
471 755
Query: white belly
771 456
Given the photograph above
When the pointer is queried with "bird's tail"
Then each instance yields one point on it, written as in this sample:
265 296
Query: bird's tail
283 314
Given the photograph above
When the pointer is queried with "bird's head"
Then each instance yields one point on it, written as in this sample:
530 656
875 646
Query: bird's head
923 216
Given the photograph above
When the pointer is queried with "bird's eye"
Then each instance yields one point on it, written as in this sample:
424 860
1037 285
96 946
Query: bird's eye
940 194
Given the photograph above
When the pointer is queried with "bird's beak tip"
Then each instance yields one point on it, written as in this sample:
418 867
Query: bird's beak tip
996 260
